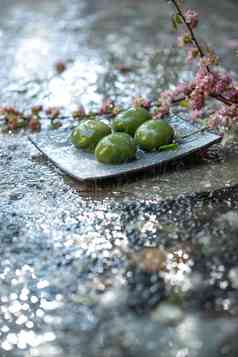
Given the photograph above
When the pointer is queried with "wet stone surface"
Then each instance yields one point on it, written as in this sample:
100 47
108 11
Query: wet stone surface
133 267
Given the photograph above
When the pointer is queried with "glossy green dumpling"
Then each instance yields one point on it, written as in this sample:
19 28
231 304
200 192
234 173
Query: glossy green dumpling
116 148
153 134
130 120
88 133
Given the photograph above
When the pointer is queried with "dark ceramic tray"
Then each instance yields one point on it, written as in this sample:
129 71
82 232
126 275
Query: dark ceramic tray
82 166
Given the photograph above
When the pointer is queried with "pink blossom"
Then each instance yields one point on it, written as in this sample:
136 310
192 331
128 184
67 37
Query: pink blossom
205 81
196 114
107 107
191 17
197 100
222 83
201 73
210 59
167 97
183 89
162 111
226 116
141 102
192 54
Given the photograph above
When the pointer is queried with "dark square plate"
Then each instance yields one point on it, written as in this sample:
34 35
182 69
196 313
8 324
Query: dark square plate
82 166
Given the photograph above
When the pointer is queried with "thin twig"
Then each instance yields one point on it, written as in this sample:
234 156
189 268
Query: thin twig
223 99
201 130
194 39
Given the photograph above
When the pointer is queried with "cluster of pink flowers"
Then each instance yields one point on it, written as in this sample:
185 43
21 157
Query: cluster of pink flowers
225 117
109 107
205 85
166 99
138 102
207 82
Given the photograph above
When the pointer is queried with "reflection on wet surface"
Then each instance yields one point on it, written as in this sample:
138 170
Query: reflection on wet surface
116 268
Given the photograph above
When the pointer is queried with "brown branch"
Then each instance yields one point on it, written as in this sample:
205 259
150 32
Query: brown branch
223 99
217 97
200 50
193 37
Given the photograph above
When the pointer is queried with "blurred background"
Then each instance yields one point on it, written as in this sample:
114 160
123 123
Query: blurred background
95 36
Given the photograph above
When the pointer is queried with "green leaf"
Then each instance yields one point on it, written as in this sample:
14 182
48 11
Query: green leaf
173 146
184 103
187 39
178 19
174 23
